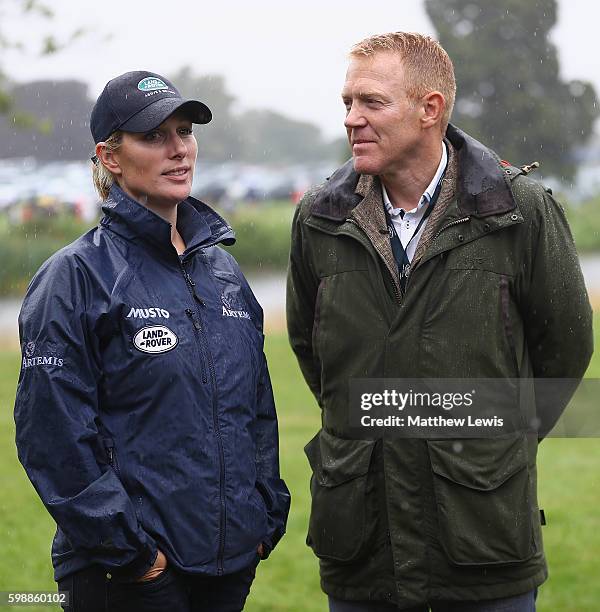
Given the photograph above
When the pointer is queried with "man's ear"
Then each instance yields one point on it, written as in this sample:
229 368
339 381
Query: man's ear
108 159
433 105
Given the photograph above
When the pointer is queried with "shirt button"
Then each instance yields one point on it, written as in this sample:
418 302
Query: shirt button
108 576
461 238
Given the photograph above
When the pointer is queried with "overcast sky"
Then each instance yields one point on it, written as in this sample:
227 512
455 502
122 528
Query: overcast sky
287 56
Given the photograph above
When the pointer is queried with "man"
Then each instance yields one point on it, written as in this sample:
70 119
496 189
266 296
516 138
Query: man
425 256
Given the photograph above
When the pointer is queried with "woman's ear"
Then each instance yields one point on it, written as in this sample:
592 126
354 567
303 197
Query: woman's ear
108 159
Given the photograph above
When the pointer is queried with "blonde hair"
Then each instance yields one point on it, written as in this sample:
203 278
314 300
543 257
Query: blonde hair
427 66
103 178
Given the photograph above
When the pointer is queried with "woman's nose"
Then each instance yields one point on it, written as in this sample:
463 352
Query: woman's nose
178 146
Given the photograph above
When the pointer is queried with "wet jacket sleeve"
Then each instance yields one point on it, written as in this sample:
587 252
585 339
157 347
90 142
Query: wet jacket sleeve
302 286
556 311
269 483
58 431
271 486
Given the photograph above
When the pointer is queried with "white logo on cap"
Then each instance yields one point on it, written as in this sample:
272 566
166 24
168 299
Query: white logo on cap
151 84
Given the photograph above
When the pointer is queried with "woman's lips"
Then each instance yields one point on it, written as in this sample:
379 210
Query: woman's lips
177 173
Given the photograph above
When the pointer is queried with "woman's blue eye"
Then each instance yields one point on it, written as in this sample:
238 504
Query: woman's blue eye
153 135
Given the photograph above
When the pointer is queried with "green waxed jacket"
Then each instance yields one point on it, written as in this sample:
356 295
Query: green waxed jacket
495 291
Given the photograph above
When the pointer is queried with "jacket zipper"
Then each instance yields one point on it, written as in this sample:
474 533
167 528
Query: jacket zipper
455 222
452 223
199 330
397 294
221 468
112 457
191 285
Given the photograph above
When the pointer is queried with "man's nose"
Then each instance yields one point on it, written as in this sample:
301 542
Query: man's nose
354 117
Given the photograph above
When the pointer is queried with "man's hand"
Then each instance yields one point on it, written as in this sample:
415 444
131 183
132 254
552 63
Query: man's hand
156 570
260 550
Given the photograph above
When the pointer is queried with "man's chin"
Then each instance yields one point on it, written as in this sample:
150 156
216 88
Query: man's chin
364 166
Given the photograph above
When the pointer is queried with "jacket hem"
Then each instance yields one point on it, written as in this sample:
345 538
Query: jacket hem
462 593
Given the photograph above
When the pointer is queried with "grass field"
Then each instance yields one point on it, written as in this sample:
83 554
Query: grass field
569 477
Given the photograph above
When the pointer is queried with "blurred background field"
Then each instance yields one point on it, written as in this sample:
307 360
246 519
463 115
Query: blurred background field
263 239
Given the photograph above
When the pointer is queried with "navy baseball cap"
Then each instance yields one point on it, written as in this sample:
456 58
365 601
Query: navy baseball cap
139 101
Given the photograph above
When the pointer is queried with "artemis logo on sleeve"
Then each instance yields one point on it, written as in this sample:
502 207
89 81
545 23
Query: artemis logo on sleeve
31 360
230 312
30 349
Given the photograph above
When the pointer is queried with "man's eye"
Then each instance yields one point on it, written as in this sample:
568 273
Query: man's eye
186 131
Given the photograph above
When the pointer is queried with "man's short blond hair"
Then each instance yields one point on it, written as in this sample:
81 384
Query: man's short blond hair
427 66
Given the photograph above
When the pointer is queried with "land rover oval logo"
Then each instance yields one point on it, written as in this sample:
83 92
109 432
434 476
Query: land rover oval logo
155 339
151 83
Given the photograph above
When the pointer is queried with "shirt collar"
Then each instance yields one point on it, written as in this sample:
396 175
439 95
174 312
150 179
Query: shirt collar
429 191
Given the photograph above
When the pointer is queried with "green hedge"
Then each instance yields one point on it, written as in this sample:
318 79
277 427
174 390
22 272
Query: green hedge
263 239
585 225
24 248
262 236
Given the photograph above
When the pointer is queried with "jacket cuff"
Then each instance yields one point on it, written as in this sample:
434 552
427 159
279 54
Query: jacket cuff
137 568
271 541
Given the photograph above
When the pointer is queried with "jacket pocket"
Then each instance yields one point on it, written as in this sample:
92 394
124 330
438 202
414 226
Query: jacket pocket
483 500
339 519
509 331
113 461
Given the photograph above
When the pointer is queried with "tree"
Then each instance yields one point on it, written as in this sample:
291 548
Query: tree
510 94
219 140
268 135
61 112
257 136
48 44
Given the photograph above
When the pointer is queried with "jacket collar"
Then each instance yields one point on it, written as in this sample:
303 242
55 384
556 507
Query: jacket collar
483 187
198 224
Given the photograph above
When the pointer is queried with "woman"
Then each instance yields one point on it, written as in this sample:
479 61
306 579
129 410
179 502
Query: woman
144 410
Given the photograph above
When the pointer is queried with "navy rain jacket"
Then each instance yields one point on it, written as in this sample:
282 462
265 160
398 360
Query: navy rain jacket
144 411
